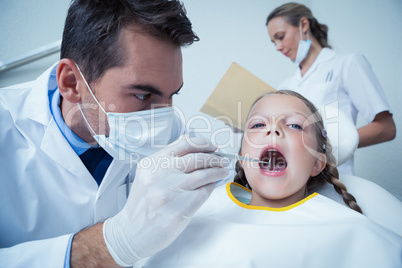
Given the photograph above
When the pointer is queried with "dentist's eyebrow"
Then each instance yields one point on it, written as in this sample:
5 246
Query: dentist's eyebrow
146 88
151 89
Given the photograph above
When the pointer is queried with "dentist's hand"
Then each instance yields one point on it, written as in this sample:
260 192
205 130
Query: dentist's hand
169 187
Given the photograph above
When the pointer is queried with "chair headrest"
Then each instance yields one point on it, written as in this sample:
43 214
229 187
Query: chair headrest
341 132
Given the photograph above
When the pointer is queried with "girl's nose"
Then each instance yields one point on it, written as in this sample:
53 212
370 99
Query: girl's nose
274 130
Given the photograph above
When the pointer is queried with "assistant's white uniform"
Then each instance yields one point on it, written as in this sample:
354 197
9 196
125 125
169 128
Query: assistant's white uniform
346 82
46 191
315 232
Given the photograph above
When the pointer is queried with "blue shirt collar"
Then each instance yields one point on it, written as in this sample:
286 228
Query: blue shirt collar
79 145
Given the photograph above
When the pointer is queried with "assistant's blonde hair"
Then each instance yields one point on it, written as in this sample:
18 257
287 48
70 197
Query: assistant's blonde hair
293 12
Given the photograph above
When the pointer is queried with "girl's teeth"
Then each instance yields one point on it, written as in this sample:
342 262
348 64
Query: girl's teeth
276 161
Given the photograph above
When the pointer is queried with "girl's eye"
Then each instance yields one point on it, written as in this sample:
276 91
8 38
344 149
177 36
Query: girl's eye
142 96
258 125
295 126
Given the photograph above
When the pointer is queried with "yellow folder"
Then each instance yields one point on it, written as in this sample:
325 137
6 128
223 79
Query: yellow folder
234 95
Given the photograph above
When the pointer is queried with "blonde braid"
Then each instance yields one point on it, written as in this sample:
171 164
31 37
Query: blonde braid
330 173
340 188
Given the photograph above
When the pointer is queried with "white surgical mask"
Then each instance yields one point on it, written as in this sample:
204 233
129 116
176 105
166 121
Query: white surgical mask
303 48
134 135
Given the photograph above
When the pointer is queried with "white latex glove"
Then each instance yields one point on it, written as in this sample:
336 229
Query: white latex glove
169 187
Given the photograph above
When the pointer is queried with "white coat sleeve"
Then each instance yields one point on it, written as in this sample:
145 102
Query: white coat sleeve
36 254
364 88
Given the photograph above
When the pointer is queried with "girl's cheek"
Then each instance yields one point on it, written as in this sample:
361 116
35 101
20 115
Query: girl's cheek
249 142
309 140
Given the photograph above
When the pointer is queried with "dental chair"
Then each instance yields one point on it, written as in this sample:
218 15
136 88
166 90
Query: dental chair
377 204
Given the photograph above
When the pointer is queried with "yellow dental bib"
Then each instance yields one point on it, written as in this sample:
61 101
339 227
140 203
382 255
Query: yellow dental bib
315 232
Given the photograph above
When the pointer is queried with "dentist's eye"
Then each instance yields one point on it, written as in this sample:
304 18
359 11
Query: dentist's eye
142 97
258 125
295 126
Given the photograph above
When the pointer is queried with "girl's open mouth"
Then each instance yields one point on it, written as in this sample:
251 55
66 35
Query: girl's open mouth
276 162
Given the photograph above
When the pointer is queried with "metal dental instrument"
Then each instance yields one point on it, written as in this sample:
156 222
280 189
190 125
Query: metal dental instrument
238 157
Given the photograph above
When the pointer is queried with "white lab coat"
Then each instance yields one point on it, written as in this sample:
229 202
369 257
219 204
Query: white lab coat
46 192
315 232
346 82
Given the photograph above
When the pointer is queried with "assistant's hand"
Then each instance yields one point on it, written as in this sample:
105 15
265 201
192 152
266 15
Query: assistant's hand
169 187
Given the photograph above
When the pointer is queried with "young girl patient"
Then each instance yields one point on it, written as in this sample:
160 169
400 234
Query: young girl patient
271 215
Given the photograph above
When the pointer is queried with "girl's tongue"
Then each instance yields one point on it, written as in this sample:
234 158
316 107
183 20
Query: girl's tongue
275 161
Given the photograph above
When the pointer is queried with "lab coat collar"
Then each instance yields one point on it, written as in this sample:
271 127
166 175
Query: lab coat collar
115 175
38 110
325 54
64 155
41 113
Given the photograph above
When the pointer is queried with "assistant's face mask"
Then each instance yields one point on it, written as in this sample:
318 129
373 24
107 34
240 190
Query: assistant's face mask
303 48
134 135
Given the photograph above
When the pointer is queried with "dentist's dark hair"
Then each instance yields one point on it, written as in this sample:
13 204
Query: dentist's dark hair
329 174
92 29
293 12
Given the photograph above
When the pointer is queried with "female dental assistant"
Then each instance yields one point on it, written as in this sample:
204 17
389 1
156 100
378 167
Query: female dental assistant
328 78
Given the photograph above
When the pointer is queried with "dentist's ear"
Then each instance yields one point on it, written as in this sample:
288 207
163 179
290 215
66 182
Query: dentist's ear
319 164
67 80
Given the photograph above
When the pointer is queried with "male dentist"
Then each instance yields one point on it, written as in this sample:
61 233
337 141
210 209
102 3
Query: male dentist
67 139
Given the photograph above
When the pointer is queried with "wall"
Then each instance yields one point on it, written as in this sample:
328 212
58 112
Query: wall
27 25
234 30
